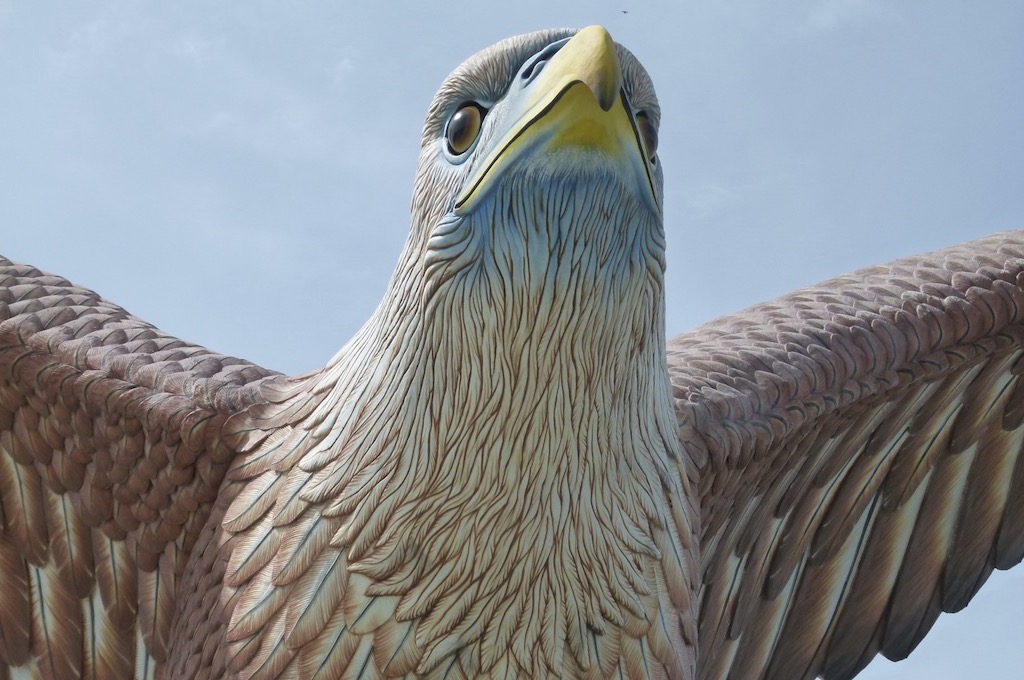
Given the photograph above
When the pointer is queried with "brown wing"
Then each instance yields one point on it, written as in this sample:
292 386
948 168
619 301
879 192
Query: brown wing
110 459
858 448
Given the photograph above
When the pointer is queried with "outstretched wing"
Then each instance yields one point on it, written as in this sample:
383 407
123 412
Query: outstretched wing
857 446
110 458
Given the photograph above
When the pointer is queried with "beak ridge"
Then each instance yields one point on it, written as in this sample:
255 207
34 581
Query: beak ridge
591 54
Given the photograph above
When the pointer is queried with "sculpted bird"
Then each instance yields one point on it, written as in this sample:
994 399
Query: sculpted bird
507 472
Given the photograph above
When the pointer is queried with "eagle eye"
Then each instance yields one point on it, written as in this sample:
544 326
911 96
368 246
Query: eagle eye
648 133
464 127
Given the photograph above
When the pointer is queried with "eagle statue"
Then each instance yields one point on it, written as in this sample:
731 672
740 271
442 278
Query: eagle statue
508 472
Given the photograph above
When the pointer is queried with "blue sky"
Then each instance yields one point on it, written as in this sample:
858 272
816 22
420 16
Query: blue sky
240 173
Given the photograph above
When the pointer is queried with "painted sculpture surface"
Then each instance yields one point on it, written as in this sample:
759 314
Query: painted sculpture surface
508 472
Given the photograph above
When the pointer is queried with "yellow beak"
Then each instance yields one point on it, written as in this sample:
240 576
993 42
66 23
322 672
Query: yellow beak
575 101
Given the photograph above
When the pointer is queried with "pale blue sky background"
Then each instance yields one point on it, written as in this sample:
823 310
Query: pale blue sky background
239 173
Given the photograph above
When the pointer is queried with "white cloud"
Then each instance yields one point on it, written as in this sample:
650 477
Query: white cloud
707 199
192 47
291 130
98 35
86 42
342 70
831 15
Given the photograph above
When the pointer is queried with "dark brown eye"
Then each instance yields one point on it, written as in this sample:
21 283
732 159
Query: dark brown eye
463 128
648 133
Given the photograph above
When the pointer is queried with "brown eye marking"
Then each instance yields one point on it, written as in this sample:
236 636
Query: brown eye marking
648 133
464 127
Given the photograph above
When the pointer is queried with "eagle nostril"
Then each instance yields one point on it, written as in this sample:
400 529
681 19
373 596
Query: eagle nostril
536 63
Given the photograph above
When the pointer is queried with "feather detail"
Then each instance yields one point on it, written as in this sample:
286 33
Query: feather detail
253 502
365 614
1010 540
858 437
929 436
274 656
145 666
859 623
156 608
917 585
256 605
289 503
57 626
15 604
23 502
331 651
253 552
822 590
395 651
108 652
301 543
71 543
987 488
863 478
362 667
109 453
315 598
117 577
664 629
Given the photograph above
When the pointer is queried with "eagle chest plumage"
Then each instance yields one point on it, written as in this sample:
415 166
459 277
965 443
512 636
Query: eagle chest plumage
508 472
489 467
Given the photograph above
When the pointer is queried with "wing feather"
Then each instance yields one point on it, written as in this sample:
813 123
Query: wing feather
156 605
22 496
15 605
987 488
108 652
57 625
110 459
1010 539
859 459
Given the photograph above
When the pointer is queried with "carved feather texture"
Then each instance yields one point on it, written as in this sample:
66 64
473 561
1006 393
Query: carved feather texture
854 493
107 475
428 506
490 479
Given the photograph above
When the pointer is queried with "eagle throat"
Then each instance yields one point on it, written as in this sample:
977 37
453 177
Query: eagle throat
493 455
